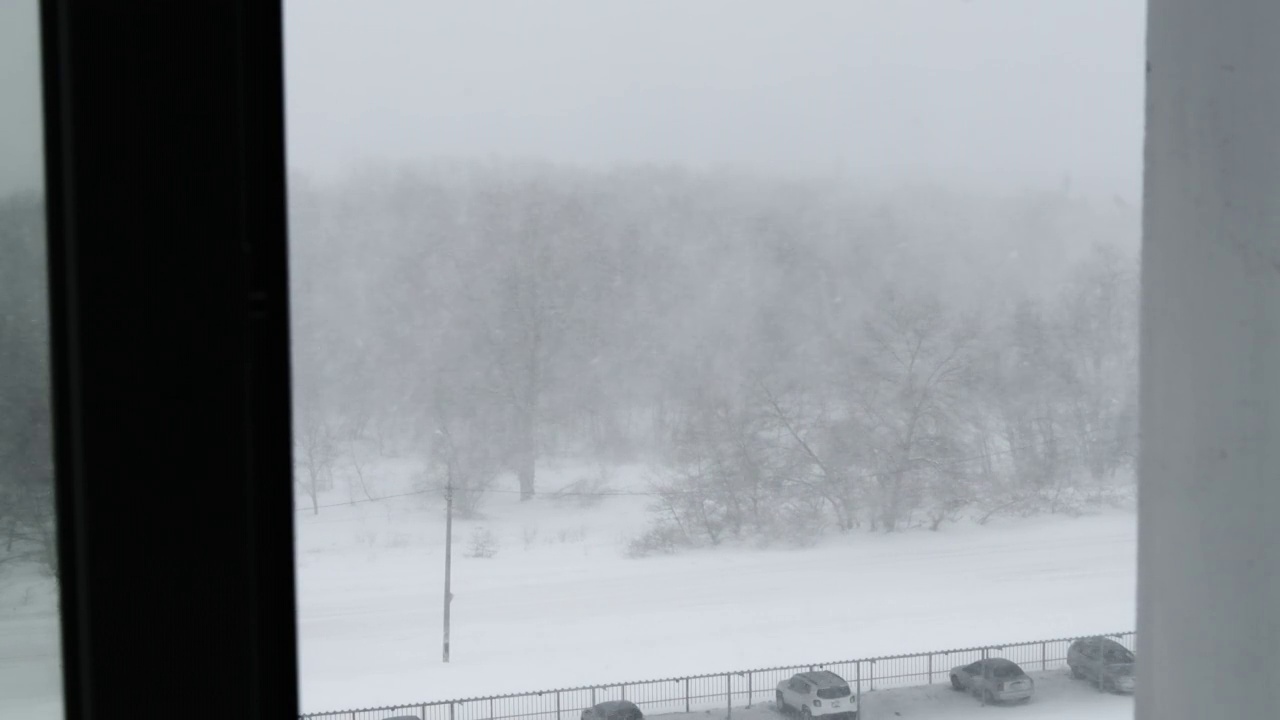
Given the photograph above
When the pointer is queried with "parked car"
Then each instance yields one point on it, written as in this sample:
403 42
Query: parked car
613 710
820 693
1103 662
994 680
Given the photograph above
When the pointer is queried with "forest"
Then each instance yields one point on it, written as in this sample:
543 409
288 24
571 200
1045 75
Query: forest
26 453
791 356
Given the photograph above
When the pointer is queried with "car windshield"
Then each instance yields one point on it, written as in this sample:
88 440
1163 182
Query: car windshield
829 693
1119 655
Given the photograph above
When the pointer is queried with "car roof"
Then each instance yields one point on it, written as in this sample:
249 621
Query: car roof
614 705
1000 662
823 678
1100 640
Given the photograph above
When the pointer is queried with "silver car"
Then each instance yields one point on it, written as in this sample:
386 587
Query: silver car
1103 662
994 680
817 695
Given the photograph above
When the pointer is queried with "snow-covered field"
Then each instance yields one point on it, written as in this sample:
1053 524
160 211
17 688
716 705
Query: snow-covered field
30 664
559 604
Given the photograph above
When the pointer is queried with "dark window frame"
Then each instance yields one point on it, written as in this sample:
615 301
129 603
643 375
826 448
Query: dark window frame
164 138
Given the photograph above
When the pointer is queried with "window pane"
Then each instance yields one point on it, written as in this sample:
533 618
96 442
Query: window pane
686 320
30 652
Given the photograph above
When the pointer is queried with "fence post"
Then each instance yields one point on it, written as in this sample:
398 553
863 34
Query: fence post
985 653
686 694
624 691
930 668
749 674
450 711
593 697
728 693
1044 656
857 671
557 706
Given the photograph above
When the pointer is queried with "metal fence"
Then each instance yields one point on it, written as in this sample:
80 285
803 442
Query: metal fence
726 690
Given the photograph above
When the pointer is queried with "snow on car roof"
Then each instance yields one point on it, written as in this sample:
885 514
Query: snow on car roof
823 678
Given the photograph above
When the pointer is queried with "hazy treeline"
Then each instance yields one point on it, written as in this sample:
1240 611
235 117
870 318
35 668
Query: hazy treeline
26 456
794 355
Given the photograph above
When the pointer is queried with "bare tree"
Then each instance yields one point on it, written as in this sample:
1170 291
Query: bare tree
906 390
515 297
1100 323
822 462
317 449
357 463
26 461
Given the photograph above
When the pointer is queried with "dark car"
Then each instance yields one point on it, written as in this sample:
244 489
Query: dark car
613 710
1103 662
994 680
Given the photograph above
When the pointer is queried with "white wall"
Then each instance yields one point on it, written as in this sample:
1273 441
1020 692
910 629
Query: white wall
1209 524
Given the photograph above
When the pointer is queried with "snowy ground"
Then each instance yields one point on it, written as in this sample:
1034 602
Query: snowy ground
560 605
30 665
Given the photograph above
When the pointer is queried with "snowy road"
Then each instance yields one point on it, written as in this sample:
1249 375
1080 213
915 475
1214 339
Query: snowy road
1058 697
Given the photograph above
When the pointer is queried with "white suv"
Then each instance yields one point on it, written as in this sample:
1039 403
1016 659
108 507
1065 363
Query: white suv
820 693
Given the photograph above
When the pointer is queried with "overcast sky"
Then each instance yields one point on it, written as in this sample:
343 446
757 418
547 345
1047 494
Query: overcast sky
1001 93
21 136
998 93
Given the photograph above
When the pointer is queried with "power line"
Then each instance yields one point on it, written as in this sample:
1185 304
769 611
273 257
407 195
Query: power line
380 498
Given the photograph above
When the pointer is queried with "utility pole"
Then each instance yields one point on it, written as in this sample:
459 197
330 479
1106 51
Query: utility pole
448 557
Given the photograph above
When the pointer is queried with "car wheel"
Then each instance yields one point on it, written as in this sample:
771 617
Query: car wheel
1024 701
1075 673
988 698
955 683
779 703
805 714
